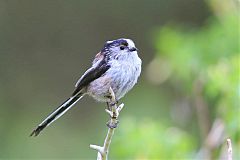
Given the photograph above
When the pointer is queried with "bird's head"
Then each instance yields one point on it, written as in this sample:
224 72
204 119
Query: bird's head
120 48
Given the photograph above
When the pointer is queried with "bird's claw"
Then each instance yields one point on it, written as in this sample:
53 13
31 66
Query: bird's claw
112 125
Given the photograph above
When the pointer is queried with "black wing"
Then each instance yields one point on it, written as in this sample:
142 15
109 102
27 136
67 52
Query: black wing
91 74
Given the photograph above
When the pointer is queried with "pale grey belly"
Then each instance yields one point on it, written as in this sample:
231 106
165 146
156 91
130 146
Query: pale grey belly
121 82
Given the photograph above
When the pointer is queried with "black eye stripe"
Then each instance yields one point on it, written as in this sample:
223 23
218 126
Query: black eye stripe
124 43
121 43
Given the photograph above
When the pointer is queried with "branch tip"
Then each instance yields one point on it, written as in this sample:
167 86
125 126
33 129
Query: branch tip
229 150
109 112
97 148
120 107
113 99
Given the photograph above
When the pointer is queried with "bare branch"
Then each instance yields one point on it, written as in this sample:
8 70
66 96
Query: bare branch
112 125
213 140
229 145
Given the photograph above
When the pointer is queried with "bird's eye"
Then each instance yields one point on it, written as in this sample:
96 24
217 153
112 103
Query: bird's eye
122 47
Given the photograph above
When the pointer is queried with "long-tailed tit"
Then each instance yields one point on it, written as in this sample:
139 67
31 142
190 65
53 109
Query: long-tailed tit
117 66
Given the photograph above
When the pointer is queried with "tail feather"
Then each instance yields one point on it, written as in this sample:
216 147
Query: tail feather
56 114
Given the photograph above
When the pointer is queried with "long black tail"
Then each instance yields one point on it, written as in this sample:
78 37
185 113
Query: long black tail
56 114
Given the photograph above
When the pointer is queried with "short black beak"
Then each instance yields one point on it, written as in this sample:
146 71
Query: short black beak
133 49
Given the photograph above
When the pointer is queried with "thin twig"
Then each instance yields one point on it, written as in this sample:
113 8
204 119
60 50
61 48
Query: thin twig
212 141
229 145
112 125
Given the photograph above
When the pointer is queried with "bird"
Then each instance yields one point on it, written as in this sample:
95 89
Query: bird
117 65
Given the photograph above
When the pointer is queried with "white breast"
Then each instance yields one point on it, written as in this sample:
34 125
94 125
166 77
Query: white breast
124 74
121 77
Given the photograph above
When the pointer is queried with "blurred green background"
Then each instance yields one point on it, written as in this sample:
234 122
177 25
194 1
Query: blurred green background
186 102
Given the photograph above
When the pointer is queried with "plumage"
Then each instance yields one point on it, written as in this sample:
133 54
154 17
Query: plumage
97 70
117 66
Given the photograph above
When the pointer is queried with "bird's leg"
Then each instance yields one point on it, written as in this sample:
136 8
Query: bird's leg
113 114
115 109
111 104
112 125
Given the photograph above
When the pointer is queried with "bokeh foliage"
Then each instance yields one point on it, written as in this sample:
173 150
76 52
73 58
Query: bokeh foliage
189 82
203 65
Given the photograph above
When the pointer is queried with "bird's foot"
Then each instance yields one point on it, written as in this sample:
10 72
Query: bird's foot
111 104
112 124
